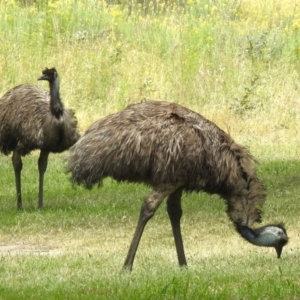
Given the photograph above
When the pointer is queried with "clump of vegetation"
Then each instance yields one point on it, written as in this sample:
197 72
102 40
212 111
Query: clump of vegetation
244 103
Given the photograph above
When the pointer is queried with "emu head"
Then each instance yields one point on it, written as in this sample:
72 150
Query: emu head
266 236
49 75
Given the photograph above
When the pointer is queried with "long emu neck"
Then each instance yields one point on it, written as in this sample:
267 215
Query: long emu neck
244 205
56 105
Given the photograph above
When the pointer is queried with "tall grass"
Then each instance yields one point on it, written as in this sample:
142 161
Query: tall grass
236 62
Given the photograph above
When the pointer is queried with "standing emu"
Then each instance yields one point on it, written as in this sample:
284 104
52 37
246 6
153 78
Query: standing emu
174 149
31 118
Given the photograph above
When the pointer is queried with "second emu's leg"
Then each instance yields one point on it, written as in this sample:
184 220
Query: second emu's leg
17 164
175 213
148 209
42 163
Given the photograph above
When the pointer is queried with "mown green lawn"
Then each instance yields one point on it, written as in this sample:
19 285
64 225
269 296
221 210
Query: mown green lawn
76 246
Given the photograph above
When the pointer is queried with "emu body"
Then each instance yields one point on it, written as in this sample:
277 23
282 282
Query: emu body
30 119
174 150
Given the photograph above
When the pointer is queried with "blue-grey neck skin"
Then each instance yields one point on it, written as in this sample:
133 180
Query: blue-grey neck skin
55 102
54 88
266 236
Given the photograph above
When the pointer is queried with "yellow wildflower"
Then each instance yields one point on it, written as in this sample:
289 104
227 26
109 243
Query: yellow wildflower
52 5
213 10
296 24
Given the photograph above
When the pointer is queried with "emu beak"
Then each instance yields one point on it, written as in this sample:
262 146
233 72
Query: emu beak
278 249
43 77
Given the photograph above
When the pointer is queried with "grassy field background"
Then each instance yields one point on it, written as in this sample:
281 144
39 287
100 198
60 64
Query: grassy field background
235 62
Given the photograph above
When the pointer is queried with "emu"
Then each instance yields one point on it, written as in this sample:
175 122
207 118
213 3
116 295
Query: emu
174 150
30 119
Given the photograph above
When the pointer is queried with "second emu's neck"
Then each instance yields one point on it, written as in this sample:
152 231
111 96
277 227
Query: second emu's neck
56 105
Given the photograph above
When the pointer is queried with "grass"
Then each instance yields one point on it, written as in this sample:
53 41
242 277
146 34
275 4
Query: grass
207 282
75 247
229 60
237 63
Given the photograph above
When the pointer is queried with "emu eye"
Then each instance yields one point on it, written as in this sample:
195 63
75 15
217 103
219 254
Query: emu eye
280 233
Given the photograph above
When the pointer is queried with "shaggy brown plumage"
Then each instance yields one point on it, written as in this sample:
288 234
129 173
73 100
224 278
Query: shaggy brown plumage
172 149
162 143
32 118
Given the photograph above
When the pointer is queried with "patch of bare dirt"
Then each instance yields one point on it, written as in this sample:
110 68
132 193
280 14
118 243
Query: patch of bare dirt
27 249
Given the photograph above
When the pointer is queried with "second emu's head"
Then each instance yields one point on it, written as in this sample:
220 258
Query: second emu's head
49 75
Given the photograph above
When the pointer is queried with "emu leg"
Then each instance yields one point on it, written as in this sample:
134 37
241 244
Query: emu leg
42 163
175 213
148 209
17 164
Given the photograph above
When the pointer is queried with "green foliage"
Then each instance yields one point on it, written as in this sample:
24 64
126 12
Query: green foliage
201 54
264 48
244 103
